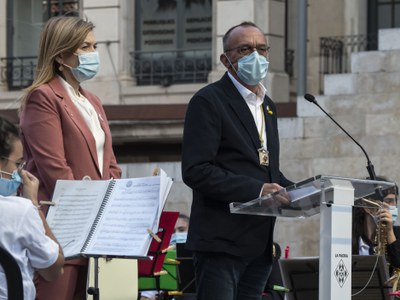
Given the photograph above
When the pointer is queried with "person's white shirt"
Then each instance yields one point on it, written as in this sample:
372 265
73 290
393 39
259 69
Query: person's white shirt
254 102
22 234
363 248
91 117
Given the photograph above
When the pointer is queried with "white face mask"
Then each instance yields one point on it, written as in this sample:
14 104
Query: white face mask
394 212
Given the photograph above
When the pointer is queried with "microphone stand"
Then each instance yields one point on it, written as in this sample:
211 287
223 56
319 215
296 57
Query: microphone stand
370 166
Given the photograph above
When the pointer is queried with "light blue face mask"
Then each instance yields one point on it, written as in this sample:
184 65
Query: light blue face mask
178 238
9 187
89 64
394 212
252 68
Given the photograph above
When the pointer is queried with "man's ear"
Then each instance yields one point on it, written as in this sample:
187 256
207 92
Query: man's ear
224 61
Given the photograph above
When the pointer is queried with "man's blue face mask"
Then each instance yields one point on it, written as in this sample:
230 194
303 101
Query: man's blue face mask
252 68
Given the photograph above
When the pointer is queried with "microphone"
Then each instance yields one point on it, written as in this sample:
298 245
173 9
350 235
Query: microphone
370 166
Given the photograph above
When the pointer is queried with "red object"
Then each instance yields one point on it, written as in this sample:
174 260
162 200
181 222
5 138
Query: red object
167 224
396 293
287 250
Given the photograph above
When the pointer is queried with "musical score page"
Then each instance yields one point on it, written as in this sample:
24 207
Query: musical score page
132 209
76 206
119 227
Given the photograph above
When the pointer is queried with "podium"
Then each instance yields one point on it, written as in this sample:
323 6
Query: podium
333 198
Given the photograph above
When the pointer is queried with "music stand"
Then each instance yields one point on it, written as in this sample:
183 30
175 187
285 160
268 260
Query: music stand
94 290
185 274
301 276
152 268
165 282
362 268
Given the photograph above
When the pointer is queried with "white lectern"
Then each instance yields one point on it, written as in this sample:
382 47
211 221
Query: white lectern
332 197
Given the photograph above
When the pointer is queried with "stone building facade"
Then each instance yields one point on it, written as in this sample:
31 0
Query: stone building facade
146 119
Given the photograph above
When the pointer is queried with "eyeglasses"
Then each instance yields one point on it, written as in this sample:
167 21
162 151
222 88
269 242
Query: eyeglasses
247 49
20 164
390 200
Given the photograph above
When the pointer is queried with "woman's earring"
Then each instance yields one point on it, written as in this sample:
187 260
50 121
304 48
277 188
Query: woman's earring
60 64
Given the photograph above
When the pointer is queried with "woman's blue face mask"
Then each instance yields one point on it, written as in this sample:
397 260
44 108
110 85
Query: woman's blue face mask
88 66
10 187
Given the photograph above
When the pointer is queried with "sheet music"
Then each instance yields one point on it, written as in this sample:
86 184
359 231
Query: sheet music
77 205
165 187
133 206
133 209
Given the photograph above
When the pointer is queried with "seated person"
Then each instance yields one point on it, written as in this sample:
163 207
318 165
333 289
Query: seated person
365 226
24 232
179 236
180 230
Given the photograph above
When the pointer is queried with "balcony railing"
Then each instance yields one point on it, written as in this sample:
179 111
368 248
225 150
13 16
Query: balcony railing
335 53
149 68
18 72
171 66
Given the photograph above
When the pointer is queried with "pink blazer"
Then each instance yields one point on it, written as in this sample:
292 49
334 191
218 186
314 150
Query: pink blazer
57 142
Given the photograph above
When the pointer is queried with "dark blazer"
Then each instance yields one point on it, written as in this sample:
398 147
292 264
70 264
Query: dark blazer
220 163
393 250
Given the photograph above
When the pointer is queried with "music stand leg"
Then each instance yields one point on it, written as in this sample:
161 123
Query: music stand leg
95 290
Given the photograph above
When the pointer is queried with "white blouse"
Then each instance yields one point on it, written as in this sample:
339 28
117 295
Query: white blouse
91 118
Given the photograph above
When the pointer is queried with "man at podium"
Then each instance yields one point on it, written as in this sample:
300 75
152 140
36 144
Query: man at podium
230 153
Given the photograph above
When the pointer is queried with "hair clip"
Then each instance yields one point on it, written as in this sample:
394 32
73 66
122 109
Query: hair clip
270 112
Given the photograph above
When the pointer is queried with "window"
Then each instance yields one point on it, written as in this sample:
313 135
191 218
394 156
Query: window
382 14
52 8
25 20
172 41
388 14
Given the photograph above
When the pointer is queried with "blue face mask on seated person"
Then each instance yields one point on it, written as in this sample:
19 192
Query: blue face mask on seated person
178 238
9 187
394 212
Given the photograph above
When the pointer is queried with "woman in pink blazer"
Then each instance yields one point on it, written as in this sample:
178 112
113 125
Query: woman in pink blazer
64 129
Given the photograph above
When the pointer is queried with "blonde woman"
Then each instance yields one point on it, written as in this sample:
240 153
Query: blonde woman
64 129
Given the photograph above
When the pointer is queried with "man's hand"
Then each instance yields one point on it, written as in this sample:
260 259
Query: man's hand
269 188
281 199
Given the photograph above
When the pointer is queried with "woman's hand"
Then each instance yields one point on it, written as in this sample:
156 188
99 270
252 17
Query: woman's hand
30 187
385 216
